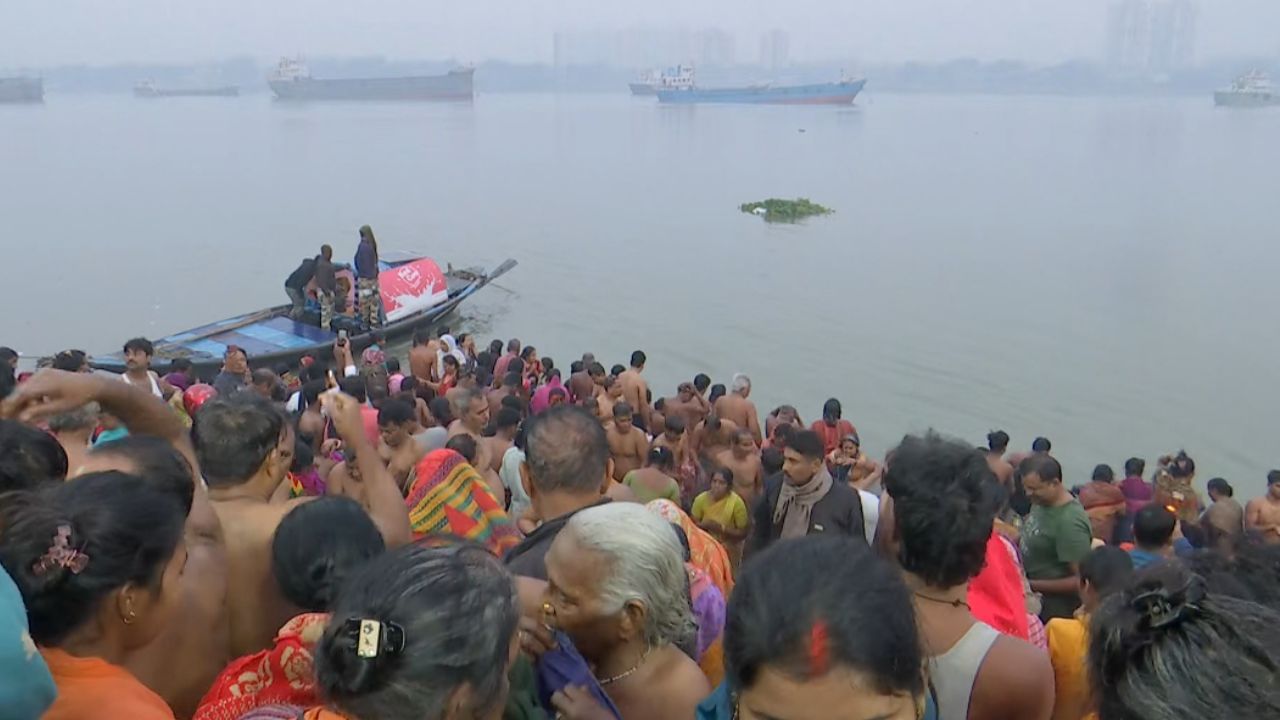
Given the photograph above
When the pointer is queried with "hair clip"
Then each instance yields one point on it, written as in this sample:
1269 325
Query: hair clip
374 637
61 554
1163 608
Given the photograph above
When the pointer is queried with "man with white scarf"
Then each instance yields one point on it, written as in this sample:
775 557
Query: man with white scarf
804 499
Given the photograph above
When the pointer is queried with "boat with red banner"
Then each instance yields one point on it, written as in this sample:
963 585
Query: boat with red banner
416 294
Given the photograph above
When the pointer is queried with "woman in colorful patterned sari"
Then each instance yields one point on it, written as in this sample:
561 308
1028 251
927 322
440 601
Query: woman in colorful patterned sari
448 497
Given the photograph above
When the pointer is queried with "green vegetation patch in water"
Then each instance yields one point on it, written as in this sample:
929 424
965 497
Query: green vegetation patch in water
786 211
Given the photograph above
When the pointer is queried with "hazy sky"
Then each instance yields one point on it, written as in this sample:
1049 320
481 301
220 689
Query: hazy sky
46 32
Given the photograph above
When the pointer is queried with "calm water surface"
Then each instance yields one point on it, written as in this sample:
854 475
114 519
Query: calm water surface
1100 271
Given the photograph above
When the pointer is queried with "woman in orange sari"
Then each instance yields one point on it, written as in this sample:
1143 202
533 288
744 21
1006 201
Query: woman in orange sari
315 548
97 560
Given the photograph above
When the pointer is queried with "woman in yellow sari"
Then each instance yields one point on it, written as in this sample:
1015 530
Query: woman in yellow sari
722 512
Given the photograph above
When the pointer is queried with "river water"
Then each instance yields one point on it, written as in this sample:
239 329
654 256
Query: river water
1100 271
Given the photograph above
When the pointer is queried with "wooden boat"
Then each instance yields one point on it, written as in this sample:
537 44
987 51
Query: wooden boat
416 295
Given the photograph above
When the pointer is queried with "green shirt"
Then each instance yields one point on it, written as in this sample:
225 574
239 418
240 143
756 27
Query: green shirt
1052 539
645 494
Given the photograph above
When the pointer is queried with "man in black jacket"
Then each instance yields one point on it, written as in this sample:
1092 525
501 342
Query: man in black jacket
804 499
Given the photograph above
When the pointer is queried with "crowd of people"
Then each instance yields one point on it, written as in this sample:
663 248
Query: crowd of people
472 532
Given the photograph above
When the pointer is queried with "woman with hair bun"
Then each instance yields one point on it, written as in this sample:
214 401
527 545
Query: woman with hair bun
1172 646
420 634
98 561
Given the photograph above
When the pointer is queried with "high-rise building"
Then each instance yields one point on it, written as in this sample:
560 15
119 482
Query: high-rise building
775 49
714 48
1151 37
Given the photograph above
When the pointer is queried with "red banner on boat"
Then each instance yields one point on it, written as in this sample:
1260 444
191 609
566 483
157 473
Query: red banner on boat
412 287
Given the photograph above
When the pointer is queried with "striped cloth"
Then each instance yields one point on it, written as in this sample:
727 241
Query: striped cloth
448 497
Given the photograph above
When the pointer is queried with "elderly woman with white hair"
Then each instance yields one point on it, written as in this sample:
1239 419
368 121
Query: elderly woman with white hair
616 587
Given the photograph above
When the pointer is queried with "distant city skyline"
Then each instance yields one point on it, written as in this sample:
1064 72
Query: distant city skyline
1152 37
846 31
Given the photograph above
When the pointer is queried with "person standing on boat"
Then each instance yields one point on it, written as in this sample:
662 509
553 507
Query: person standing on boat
367 294
326 280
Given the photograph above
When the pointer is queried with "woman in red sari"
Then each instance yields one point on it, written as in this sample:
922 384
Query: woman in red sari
317 545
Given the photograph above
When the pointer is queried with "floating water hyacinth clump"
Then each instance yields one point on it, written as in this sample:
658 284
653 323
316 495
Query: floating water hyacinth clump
786 211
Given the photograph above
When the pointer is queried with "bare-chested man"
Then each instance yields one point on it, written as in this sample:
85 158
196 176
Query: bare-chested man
674 438
473 416
245 448
627 443
586 382
510 388
397 424
506 423
997 446
688 404
782 415
1262 515
422 357
634 388
713 437
736 407
743 459
611 395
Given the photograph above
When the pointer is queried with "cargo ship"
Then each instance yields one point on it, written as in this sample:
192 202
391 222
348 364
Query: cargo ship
675 78
292 81
148 89
831 93
21 90
1253 89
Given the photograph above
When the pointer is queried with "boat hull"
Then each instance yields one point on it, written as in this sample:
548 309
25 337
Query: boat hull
270 337
228 91
643 89
21 90
454 86
1224 98
841 93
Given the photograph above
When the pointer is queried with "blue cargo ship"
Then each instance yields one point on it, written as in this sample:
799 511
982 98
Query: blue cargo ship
832 93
